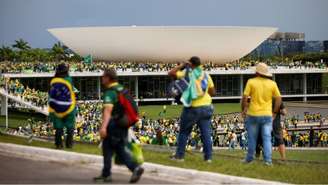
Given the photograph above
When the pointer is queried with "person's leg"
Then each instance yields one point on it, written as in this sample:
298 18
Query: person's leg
204 125
69 137
282 151
259 144
206 132
266 129
278 138
107 154
186 122
252 130
58 137
69 123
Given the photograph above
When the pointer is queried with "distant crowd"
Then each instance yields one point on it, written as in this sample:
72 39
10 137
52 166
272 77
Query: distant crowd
228 129
45 67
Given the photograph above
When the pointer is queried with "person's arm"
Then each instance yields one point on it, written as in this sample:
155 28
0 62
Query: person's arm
278 101
173 72
244 105
277 104
244 101
211 89
107 113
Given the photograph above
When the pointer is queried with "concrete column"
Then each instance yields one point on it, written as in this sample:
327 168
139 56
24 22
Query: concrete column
304 87
99 88
136 88
4 105
241 85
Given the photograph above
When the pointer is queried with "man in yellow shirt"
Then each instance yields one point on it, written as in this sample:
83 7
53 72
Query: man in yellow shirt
258 113
198 107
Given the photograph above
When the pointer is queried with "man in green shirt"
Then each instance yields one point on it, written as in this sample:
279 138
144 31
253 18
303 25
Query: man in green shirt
114 136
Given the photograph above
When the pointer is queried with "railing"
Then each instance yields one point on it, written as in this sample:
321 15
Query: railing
19 100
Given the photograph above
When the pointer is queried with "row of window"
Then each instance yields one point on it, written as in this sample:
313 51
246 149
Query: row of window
156 86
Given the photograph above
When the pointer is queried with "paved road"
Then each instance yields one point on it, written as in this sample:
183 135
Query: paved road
26 171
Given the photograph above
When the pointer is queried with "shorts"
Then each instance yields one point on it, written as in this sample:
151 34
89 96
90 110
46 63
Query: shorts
277 133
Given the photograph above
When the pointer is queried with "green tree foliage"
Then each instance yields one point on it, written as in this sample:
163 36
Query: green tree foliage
6 53
21 44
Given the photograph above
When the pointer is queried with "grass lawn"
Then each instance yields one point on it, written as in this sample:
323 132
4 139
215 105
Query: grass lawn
16 119
152 111
227 162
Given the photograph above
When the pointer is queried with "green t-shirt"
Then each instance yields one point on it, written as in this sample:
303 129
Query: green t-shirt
110 94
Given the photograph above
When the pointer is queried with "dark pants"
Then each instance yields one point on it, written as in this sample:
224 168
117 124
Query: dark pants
69 137
115 143
202 117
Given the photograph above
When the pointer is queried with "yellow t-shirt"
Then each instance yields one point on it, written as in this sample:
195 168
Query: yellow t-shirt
202 100
261 90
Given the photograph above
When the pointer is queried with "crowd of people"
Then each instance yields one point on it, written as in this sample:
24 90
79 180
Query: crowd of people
228 130
15 88
44 67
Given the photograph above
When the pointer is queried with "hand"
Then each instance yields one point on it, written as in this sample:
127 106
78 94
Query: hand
244 113
274 115
103 132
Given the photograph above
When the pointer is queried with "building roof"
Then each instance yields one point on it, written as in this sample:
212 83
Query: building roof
217 44
250 71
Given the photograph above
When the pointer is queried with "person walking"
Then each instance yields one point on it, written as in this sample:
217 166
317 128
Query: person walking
233 139
114 135
62 106
197 102
258 113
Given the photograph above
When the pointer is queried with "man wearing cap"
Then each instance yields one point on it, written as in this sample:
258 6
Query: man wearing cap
197 102
258 113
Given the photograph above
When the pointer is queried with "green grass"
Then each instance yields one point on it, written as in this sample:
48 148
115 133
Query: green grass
152 111
227 162
325 82
16 119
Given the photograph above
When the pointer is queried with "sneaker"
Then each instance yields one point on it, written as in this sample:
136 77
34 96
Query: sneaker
209 161
175 158
102 179
244 161
59 147
268 163
136 175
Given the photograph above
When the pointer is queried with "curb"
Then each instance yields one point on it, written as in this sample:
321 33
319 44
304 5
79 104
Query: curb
155 171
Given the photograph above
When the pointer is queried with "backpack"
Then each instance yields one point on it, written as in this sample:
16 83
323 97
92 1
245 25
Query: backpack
177 87
126 109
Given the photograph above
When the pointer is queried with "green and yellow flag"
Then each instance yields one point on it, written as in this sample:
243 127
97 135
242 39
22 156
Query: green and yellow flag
87 59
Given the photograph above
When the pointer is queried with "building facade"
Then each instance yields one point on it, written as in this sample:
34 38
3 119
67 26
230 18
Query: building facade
297 84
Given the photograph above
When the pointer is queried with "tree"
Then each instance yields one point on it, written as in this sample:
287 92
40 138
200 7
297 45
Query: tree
58 51
21 45
6 53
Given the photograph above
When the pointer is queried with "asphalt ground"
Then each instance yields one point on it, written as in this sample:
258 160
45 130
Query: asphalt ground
16 170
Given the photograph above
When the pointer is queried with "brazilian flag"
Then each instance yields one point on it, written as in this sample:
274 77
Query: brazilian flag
87 59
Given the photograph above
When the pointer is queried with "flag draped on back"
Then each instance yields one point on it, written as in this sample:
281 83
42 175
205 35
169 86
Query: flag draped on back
197 86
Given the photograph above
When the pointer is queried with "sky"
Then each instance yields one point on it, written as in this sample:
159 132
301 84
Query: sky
30 19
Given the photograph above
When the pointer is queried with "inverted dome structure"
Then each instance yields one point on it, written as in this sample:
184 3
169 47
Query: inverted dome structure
218 44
